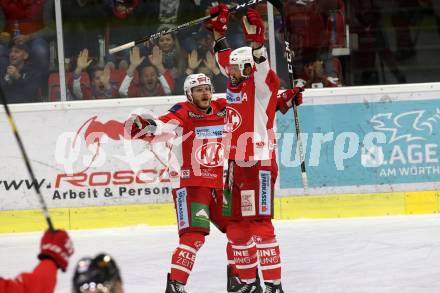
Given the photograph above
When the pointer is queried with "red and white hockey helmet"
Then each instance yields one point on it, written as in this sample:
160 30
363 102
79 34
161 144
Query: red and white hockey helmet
194 80
241 57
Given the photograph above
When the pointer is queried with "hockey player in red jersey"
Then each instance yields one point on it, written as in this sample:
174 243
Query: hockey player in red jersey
56 249
201 122
252 170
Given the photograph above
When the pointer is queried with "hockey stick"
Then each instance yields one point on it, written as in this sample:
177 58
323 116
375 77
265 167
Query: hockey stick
26 160
181 27
289 58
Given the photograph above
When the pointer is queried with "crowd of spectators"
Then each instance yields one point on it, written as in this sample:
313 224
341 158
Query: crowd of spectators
317 33
91 28
27 29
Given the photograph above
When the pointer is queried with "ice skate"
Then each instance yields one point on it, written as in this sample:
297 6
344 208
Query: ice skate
233 281
272 288
174 286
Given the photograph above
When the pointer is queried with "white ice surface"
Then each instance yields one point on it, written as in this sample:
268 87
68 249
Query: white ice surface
389 254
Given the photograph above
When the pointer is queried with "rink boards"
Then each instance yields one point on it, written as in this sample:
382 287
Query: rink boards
369 151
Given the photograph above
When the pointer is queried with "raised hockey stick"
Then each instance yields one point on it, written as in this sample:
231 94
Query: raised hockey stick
26 160
181 27
278 4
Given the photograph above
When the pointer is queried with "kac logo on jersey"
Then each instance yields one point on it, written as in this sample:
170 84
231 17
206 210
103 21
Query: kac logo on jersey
233 98
265 193
233 121
211 154
209 131
182 209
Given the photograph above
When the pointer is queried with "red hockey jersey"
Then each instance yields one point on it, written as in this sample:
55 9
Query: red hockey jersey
41 280
251 112
201 149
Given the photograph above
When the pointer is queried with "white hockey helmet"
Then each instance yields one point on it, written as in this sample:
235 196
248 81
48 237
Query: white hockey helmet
241 57
194 80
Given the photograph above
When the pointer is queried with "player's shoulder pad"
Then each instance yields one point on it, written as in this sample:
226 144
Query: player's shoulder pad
219 105
221 102
175 108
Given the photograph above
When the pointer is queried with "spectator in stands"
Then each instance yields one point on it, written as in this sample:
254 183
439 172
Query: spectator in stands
55 251
155 80
334 15
83 26
173 57
207 66
307 27
316 24
29 22
175 12
314 72
20 81
82 63
122 26
102 85
204 40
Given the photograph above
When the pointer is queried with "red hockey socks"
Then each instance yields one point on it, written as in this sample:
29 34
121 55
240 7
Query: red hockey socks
184 256
269 259
268 251
244 250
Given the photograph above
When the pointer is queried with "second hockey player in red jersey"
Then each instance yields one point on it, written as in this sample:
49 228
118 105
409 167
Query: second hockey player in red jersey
252 170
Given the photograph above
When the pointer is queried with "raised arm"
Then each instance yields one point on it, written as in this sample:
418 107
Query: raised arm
218 25
56 249
266 80
142 127
135 61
